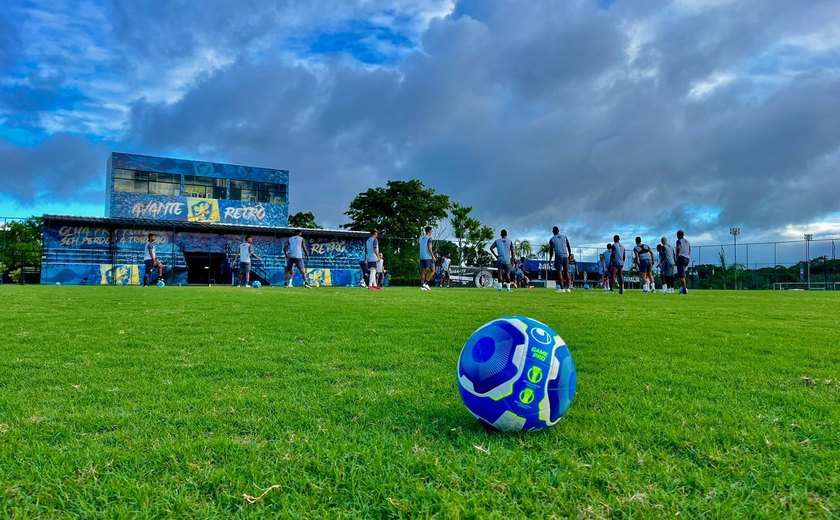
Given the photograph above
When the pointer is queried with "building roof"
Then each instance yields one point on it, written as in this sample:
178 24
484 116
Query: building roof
197 226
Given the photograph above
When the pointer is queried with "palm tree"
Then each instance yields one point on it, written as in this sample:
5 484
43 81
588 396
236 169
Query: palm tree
525 248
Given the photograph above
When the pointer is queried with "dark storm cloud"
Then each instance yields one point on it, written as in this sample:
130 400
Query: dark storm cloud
535 113
643 114
61 167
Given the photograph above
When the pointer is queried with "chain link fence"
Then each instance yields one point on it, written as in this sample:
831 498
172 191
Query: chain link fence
782 265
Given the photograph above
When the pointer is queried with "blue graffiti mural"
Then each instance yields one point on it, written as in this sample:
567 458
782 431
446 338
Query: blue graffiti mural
260 205
85 254
192 209
200 168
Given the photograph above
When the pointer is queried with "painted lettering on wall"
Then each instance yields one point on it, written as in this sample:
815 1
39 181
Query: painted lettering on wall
333 246
82 236
157 209
252 213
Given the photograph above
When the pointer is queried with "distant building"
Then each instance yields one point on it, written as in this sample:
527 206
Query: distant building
140 186
201 212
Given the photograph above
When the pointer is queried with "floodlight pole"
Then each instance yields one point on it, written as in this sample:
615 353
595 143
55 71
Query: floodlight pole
735 231
808 238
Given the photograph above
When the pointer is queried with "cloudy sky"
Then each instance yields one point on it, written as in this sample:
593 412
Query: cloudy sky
603 116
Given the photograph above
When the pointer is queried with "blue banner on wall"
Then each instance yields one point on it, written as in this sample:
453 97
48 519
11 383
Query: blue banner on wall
192 209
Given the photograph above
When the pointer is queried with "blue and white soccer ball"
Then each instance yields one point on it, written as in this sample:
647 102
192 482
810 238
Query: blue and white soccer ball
586 286
161 283
58 283
516 374
256 284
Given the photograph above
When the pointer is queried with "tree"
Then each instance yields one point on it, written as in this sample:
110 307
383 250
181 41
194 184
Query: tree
525 249
303 220
476 252
471 235
20 244
443 247
399 212
462 223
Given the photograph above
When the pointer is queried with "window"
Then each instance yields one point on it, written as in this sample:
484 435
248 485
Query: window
262 192
133 181
204 187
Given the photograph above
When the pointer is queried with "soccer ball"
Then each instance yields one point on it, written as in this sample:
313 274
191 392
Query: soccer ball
161 283
586 286
58 283
516 374
256 284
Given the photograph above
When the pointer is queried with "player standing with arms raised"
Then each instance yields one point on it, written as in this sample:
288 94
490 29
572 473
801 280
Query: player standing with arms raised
683 258
502 250
427 260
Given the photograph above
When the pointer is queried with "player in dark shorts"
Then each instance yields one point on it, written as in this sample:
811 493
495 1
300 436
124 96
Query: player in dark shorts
644 259
560 250
427 260
150 260
683 258
666 262
617 259
502 250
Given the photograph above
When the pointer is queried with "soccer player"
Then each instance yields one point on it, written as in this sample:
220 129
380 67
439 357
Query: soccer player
246 251
608 286
560 250
666 262
600 267
445 267
380 271
427 260
617 259
644 259
150 260
502 250
683 258
371 257
294 250
572 270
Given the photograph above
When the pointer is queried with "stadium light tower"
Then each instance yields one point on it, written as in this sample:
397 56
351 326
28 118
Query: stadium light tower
808 238
735 231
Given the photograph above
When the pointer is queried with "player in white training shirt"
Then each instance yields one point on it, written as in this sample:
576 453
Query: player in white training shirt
244 255
294 249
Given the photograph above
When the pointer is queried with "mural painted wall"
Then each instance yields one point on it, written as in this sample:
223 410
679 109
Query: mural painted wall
186 208
81 254
192 209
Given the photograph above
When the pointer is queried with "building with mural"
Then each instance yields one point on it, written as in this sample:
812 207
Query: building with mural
200 212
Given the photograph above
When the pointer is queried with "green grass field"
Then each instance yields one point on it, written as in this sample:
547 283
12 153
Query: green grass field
123 402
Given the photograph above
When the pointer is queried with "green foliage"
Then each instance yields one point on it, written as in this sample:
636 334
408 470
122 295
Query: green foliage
399 212
20 243
121 402
472 236
303 220
524 248
442 247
